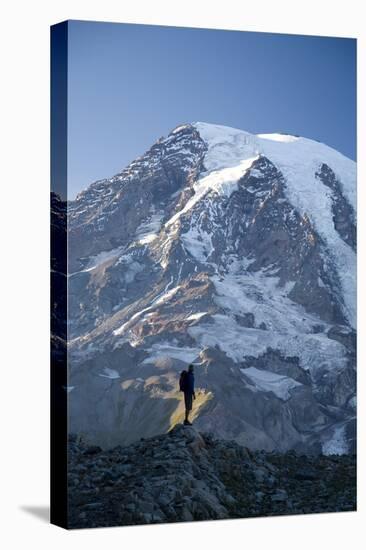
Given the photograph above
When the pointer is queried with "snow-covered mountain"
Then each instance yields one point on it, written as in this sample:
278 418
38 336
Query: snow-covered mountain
233 251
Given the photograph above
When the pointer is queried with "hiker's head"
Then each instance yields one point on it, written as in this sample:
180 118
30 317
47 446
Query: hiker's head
190 368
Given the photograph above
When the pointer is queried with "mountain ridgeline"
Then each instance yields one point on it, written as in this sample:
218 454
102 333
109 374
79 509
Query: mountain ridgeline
236 252
186 475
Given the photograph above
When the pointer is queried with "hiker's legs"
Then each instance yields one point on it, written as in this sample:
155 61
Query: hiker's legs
188 404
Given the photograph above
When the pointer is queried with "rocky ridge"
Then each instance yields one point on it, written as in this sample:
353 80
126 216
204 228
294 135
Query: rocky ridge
186 475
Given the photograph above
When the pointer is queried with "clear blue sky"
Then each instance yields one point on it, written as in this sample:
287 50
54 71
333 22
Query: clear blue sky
131 84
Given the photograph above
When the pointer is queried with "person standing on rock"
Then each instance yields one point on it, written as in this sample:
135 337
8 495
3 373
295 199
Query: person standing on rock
186 384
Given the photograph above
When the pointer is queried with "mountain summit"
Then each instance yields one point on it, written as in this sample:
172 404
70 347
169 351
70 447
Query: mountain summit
233 251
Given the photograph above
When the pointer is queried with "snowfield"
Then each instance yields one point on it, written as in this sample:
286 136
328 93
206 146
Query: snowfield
315 351
298 159
264 380
109 373
166 349
337 444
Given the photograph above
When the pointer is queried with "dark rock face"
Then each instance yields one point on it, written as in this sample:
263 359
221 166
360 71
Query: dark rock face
58 273
186 475
108 213
187 256
343 213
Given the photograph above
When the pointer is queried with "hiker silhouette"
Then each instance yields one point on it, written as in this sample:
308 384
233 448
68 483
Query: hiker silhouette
186 385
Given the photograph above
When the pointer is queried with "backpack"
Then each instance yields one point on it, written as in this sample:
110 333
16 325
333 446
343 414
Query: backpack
183 380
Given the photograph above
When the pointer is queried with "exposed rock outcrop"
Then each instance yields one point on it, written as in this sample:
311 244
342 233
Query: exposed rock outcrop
186 475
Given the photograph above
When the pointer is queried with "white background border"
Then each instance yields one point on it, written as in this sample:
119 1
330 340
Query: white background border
24 396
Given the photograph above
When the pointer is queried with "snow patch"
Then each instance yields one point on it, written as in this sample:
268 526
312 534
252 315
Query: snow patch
163 297
166 349
198 243
196 316
179 128
68 389
166 296
285 138
267 381
148 231
352 402
100 259
110 373
337 444
131 267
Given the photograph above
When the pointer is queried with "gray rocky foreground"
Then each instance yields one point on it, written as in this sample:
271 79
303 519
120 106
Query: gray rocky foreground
186 475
